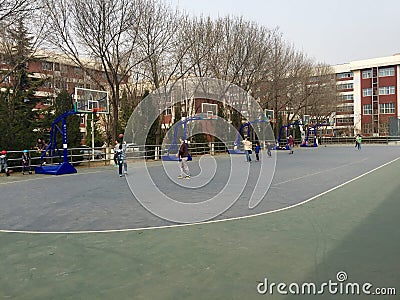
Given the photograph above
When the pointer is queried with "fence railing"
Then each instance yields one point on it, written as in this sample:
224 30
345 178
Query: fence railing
76 156
105 155
365 140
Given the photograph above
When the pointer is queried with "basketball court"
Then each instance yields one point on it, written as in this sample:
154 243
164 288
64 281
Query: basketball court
85 236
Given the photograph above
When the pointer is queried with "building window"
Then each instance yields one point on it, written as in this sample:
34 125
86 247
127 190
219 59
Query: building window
348 108
64 69
367 109
344 120
47 66
386 108
344 75
78 71
384 128
47 84
386 90
346 86
346 97
367 128
386 72
47 101
367 92
168 110
366 74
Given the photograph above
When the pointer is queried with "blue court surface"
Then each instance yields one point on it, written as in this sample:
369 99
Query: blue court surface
330 214
96 199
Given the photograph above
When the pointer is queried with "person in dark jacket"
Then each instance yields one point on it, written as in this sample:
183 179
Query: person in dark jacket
183 155
26 162
3 162
257 151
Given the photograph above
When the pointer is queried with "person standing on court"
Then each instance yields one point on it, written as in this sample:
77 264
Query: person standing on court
183 155
291 144
269 148
247 148
121 159
358 141
116 147
3 162
26 162
257 151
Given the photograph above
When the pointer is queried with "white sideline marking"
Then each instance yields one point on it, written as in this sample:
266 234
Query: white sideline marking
205 222
319 172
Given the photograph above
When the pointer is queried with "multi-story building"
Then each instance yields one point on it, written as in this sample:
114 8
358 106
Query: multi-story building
59 73
368 91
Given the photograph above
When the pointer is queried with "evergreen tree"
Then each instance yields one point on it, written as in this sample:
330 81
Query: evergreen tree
18 100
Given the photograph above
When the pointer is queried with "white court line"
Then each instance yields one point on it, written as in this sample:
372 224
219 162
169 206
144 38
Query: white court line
206 222
319 172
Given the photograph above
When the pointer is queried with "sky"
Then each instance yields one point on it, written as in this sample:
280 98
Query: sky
329 31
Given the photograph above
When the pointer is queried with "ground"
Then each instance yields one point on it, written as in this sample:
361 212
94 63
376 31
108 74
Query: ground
328 210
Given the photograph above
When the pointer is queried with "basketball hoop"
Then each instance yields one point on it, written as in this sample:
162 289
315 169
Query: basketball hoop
91 101
97 109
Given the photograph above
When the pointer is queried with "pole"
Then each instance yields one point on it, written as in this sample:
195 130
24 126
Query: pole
65 140
92 124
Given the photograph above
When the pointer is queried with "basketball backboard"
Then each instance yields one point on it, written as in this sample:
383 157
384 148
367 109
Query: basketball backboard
209 110
269 114
306 119
89 101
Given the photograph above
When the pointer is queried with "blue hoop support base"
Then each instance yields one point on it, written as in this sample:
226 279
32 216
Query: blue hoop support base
61 169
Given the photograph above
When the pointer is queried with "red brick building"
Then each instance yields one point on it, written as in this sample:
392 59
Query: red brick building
60 73
368 95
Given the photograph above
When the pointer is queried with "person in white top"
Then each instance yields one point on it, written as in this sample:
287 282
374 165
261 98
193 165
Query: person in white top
247 148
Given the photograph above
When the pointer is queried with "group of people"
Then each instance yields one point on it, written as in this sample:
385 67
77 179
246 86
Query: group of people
120 155
25 158
248 145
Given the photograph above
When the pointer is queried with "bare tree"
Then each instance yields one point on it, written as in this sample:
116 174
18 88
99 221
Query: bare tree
12 15
106 31
230 49
158 42
273 88
296 85
164 46
322 102
202 35
10 11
